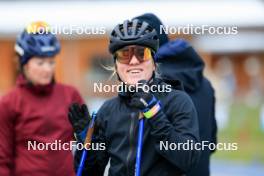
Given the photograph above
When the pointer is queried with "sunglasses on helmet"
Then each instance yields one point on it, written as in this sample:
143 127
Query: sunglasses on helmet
38 27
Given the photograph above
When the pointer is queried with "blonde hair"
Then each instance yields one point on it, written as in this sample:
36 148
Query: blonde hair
112 69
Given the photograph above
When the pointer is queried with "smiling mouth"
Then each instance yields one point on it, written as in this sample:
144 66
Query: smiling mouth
135 70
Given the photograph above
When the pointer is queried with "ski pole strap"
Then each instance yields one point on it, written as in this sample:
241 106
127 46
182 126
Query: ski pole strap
153 111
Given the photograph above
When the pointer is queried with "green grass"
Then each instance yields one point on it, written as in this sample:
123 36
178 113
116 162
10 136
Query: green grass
244 129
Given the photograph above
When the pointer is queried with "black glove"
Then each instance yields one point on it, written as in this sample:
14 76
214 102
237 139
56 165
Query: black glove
146 102
80 118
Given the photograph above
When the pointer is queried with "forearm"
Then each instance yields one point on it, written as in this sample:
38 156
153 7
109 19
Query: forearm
164 132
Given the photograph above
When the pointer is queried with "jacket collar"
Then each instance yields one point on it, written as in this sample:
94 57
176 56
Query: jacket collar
127 94
35 89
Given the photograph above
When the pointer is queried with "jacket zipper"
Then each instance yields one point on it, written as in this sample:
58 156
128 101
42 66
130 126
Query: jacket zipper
131 143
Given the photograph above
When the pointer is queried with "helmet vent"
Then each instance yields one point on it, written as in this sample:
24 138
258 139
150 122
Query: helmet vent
31 42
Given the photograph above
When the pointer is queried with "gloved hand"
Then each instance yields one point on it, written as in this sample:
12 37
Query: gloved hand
148 104
80 118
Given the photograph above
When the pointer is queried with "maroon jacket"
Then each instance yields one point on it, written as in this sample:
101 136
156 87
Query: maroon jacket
31 113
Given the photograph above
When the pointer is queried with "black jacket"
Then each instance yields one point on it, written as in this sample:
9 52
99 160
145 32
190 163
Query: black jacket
117 124
179 61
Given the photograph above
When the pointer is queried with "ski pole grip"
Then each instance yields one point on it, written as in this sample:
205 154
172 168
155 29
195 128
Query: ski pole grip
88 139
140 116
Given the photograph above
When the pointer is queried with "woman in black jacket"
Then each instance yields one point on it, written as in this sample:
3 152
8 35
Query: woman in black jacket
170 116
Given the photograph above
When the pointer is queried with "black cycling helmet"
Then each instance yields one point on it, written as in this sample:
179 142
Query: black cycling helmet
155 22
133 32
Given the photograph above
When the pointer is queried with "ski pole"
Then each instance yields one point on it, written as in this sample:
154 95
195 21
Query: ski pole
87 142
140 143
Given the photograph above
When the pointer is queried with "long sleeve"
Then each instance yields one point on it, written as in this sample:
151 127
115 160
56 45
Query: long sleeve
177 126
7 138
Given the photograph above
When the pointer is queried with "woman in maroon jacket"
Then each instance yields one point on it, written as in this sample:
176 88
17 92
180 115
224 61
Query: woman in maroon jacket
36 111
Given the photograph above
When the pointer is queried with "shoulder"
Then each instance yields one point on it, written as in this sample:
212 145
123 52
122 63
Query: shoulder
11 100
177 100
70 92
11 95
172 97
67 89
173 90
179 96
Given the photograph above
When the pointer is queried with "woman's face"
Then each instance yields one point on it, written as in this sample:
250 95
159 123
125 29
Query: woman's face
40 71
135 71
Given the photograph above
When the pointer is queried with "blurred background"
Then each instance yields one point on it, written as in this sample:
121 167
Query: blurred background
234 63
